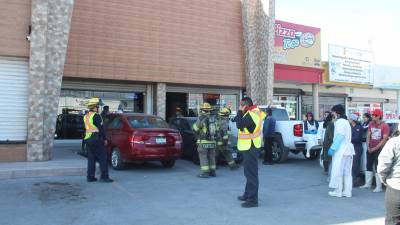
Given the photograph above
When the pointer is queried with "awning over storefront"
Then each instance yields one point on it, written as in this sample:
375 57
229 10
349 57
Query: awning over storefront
297 74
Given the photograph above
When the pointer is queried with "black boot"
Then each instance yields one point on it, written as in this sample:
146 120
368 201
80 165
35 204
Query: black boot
91 179
249 204
242 198
106 180
203 175
213 174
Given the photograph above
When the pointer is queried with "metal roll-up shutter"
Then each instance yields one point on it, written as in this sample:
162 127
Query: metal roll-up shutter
201 90
323 100
368 100
14 79
287 91
102 86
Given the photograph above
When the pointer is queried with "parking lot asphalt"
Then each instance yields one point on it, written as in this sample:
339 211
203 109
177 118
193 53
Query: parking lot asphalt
148 194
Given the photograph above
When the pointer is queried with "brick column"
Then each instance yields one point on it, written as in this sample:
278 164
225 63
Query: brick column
161 98
51 21
258 35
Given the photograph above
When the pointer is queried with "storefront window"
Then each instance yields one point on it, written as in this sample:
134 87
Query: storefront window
195 100
390 111
287 102
325 104
230 101
216 100
75 100
362 107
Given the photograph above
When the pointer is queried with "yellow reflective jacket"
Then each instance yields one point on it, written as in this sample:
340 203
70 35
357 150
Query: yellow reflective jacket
245 138
90 128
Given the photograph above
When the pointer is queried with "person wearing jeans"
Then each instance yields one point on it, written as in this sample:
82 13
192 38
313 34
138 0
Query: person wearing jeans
356 140
389 173
268 130
378 133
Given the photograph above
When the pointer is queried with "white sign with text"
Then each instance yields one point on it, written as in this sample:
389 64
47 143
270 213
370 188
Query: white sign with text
350 65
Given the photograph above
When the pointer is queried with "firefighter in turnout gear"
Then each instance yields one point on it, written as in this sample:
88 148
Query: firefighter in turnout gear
223 137
206 129
95 139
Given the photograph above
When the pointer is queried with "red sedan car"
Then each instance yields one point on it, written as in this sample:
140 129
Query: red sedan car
141 137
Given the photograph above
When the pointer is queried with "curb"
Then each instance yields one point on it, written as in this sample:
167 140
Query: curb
42 172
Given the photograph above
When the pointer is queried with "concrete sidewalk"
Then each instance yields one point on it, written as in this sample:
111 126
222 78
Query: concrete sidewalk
65 162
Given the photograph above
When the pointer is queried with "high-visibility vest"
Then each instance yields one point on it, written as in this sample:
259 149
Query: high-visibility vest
90 128
245 138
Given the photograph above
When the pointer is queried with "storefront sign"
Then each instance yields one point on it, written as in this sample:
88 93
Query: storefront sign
386 77
326 81
297 45
350 65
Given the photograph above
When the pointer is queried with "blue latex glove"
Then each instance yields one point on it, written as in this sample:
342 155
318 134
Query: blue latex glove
337 141
330 152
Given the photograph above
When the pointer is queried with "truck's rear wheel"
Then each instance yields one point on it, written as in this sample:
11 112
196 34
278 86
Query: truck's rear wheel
279 152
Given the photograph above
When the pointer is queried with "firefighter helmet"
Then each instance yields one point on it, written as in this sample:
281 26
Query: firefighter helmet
224 111
206 107
93 102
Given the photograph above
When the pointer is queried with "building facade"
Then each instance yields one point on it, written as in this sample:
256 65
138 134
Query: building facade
146 56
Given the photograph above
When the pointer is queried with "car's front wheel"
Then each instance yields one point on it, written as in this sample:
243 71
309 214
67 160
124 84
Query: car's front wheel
116 159
168 163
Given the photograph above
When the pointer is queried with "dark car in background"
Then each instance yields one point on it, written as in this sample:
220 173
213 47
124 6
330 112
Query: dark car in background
69 126
136 137
393 126
189 139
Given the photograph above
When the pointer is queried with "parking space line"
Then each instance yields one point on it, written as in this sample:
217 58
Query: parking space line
123 189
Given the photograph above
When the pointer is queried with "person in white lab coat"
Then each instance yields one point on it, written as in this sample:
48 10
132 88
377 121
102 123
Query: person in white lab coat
342 151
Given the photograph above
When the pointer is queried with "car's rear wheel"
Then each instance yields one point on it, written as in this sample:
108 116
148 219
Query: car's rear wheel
279 152
116 159
168 163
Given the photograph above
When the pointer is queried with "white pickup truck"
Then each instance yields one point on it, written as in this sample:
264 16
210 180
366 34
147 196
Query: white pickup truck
289 136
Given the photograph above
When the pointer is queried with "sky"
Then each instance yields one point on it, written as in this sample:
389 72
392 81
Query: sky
363 24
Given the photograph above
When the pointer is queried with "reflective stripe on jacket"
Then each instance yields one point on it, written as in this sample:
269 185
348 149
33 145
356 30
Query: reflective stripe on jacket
205 130
90 128
245 138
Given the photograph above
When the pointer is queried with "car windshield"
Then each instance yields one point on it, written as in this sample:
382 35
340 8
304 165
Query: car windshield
147 122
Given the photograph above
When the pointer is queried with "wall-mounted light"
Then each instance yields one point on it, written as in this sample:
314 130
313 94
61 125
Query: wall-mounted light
28 37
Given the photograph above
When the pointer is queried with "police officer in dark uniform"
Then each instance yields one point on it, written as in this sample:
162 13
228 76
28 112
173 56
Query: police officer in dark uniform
95 139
